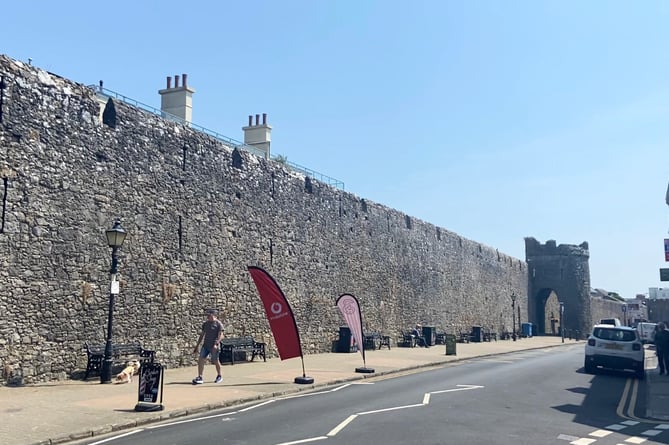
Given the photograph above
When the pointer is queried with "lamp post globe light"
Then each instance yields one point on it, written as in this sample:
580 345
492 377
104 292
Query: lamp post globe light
115 238
513 314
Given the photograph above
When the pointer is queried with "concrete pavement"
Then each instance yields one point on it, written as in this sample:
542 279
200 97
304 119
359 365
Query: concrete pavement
58 413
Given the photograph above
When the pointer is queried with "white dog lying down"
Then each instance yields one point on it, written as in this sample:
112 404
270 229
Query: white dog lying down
131 368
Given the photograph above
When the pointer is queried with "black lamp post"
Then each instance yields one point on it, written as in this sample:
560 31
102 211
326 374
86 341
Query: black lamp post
561 320
115 238
513 313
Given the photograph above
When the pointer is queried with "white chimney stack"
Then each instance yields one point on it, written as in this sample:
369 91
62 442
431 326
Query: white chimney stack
177 100
258 135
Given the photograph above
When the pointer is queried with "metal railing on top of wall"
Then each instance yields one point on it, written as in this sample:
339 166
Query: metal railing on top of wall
105 92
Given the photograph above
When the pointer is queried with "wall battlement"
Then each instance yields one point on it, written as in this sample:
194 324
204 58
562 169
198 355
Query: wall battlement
551 248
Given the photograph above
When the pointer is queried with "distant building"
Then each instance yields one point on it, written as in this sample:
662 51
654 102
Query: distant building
636 310
658 293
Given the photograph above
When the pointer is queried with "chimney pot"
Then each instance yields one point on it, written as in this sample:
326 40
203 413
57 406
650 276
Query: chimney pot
250 120
176 81
257 119
169 82
183 77
100 86
264 118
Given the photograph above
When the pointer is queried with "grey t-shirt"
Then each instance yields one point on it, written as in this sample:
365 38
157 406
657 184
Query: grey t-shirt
211 331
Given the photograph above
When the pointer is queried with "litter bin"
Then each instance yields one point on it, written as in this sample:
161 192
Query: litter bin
450 344
345 343
430 335
477 334
527 329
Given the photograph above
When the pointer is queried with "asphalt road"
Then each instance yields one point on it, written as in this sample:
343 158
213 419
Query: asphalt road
530 397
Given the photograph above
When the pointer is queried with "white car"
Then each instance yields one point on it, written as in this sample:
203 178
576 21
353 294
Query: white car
614 347
646 332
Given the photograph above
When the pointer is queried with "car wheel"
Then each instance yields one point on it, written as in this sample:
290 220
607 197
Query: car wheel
640 374
589 368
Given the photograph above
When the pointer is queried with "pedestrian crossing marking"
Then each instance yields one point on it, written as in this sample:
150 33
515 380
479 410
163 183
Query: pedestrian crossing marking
600 433
635 439
583 441
651 433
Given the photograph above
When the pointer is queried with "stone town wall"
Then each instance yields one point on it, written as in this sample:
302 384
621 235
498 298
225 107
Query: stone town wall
602 308
197 213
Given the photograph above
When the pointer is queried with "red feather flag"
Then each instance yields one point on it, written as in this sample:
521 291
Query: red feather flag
279 314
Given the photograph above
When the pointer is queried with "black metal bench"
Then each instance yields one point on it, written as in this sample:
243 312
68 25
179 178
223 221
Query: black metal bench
374 340
96 354
407 340
464 337
489 336
233 344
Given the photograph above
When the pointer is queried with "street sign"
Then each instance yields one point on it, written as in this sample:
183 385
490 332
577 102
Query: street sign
664 274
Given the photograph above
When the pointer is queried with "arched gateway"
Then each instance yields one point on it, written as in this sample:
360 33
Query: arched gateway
558 275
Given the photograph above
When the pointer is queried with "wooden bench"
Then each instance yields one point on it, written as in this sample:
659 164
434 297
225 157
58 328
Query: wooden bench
230 345
96 354
405 339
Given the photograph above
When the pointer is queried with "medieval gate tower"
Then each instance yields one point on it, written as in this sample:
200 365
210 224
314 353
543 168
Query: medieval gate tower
559 275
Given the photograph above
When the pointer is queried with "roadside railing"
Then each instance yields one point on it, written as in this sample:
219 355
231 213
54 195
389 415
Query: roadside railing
105 92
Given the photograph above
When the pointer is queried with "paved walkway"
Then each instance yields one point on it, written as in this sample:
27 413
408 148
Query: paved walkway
68 411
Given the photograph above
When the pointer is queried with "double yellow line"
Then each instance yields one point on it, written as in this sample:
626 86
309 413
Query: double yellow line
630 392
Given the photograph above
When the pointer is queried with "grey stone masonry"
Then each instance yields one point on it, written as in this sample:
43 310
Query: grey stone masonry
197 213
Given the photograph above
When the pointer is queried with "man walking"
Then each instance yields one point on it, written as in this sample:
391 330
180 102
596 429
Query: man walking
212 333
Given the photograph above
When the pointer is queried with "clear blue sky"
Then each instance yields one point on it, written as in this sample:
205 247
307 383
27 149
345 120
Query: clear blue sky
493 119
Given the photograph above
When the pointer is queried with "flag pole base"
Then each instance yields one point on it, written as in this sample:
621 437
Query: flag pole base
148 407
304 380
365 370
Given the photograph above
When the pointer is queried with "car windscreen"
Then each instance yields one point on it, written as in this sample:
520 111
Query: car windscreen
614 334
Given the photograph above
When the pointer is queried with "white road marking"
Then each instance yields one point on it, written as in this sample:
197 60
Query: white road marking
426 399
311 439
652 433
464 388
583 441
341 426
635 439
340 387
600 433
394 408
116 437
257 405
567 437
630 422
663 426
616 427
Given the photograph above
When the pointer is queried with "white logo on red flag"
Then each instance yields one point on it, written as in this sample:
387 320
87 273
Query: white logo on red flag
279 314
350 309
